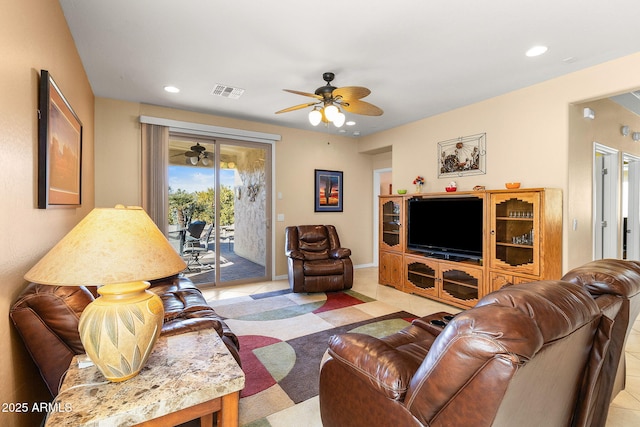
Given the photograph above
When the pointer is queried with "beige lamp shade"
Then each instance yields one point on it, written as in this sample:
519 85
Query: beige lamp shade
119 250
110 245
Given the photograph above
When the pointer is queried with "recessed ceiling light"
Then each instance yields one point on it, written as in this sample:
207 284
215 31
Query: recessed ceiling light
171 89
350 123
536 51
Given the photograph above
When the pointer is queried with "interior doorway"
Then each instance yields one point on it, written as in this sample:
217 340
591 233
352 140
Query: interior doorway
219 204
630 207
605 206
382 179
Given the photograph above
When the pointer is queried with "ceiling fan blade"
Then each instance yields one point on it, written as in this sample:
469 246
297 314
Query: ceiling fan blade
297 92
351 92
296 107
362 108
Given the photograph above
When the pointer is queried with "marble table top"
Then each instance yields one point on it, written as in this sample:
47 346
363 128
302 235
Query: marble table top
183 370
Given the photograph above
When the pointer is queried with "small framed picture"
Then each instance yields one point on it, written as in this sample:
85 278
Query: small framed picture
328 191
461 156
59 148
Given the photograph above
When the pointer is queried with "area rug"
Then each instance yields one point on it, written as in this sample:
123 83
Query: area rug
283 337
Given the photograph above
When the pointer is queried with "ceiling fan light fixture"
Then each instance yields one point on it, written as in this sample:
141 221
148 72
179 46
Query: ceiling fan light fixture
329 100
331 112
194 160
339 119
315 116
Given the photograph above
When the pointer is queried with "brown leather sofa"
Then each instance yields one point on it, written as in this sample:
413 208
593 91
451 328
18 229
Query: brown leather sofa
46 318
526 355
316 261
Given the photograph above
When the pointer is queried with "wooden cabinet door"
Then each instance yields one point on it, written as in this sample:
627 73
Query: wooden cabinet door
515 232
390 269
460 283
421 276
391 231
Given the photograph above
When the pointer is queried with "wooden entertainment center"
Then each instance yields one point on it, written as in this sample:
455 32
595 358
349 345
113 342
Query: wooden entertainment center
522 242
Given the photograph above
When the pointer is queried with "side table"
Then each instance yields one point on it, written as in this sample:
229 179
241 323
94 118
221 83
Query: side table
187 376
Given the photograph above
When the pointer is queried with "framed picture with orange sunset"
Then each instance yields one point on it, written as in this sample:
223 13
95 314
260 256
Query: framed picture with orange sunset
328 191
59 148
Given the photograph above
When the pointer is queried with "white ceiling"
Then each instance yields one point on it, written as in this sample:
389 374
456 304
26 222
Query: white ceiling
418 57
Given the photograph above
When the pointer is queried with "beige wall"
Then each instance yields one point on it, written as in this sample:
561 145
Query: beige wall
527 140
297 154
33 36
605 130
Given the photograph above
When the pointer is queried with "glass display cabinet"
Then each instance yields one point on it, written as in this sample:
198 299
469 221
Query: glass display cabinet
391 241
525 237
391 236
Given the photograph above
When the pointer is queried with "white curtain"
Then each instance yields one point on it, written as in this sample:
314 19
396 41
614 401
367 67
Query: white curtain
155 162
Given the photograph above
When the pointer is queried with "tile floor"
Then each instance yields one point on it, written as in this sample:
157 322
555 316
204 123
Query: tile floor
624 410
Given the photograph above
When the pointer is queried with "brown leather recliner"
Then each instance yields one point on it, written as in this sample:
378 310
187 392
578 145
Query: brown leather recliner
622 279
526 355
316 261
47 317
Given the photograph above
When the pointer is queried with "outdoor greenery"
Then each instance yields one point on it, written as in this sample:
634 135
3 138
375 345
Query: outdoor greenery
186 207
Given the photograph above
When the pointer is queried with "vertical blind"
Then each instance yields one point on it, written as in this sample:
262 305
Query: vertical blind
155 161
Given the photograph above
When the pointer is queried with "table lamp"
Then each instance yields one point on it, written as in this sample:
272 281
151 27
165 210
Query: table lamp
118 250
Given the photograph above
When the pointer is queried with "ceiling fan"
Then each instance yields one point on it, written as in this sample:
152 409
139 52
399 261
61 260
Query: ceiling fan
196 153
330 101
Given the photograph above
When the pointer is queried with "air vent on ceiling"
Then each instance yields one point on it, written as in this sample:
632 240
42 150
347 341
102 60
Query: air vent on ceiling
227 91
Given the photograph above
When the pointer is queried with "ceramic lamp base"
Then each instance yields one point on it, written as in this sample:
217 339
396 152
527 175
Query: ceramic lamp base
120 328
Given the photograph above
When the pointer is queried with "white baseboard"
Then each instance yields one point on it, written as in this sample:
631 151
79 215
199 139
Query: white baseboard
365 265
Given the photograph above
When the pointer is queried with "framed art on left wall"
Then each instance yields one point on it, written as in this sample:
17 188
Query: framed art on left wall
59 148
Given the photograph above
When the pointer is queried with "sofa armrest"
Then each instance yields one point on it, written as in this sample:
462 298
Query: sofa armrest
339 253
387 370
434 323
295 254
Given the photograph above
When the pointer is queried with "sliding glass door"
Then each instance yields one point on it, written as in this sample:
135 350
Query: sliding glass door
219 204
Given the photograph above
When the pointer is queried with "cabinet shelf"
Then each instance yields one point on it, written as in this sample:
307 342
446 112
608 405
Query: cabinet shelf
417 273
514 245
510 218
466 285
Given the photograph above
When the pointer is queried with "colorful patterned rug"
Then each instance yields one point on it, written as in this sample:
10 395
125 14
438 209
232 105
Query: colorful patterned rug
283 337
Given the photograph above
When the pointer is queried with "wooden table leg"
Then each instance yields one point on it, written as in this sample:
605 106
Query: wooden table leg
229 415
206 420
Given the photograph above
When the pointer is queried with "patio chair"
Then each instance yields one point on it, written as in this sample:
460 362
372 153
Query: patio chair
196 244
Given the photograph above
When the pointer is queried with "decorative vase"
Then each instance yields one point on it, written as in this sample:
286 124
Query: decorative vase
418 188
119 329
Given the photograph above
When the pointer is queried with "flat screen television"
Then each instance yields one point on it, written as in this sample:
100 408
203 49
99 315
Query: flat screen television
446 226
